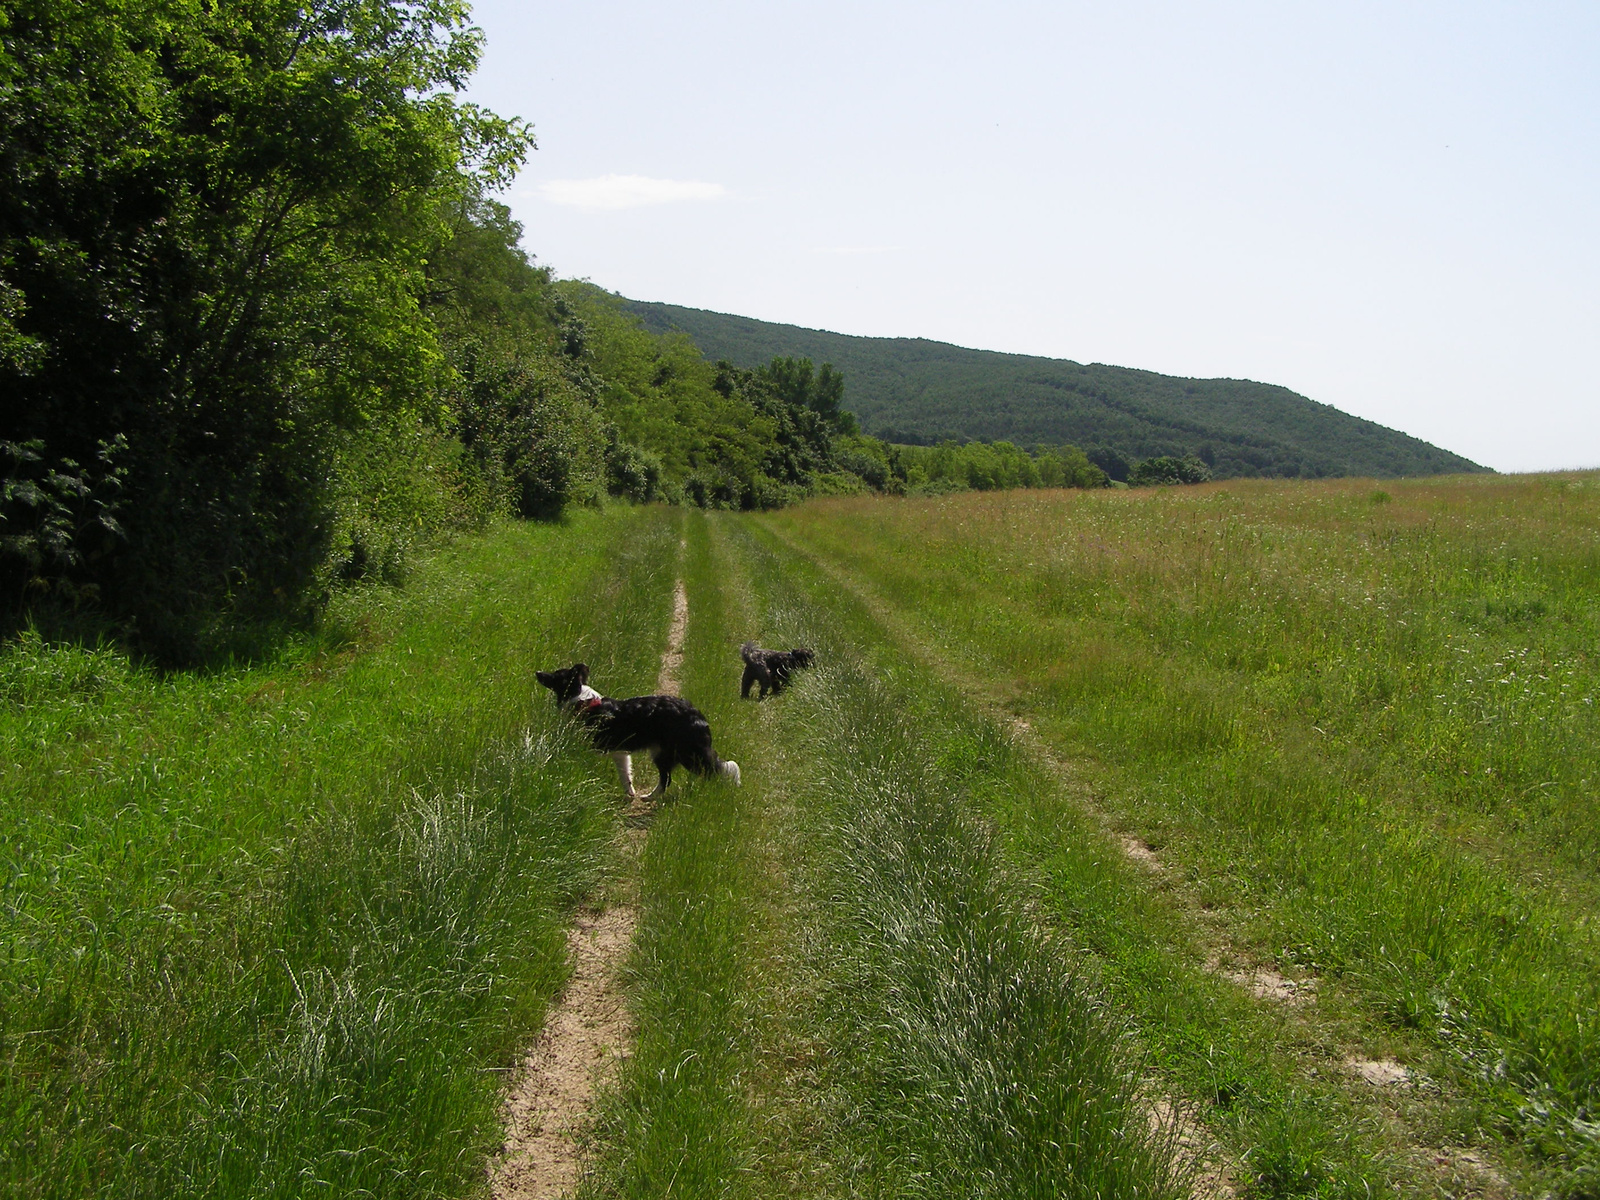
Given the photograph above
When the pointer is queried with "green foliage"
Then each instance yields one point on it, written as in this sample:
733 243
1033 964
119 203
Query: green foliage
984 467
214 222
520 387
397 485
764 437
251 271
914 390
797 384
711 434
1167 470
56 518
631 473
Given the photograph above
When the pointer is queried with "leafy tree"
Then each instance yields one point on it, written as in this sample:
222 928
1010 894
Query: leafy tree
214 224
820 389
1111 461
57 516
1167 470
716 435
985 466
520 381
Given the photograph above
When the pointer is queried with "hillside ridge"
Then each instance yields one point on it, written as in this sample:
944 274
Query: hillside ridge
918 390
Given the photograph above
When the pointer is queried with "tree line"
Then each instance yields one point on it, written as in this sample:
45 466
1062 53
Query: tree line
265 329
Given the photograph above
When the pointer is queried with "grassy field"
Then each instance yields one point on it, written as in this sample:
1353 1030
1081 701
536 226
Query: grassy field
266 931
837 991
1359 722
276 930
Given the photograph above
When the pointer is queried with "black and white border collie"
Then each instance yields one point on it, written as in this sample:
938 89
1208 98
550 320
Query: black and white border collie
770 668
670 729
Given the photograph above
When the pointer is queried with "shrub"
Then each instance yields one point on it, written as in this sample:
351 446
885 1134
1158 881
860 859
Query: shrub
1168 470
631 473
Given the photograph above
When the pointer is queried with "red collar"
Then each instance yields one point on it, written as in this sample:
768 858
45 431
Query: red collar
591 702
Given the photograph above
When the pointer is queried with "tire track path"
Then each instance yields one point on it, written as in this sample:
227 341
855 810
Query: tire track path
1212 1171
588 1032
1380 1084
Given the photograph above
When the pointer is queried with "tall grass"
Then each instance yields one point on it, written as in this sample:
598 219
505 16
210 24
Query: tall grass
1365 717
977 1059
960 1050
899 1029
1290 1131
269 931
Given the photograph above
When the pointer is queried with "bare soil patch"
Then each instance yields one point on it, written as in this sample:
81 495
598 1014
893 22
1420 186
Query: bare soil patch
672 661
1266 984
1140 853
1462 1172
1379 1072
587 1035
1213 1173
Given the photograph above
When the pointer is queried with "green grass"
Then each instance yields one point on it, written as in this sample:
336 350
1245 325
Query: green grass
278 929
973 1055
1361 723
1218 1055
269 931
837 991
899 1026
678 1123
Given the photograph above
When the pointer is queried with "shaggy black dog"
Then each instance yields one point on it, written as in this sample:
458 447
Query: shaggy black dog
770 668
670 729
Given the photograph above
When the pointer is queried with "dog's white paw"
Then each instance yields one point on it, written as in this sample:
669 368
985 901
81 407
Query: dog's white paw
731 770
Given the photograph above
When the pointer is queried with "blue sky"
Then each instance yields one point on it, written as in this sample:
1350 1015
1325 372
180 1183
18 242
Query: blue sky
1393 208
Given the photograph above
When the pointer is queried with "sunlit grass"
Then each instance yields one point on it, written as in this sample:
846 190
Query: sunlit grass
973 1057
898 1028
269 931
679 1123
1364 717
961 1049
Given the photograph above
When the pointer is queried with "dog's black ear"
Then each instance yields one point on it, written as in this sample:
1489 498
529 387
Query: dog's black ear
545 678
583 671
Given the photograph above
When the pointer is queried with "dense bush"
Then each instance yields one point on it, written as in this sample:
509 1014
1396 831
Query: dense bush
520 385
691 431
1167 470
631 473
214 221
58 518
987 466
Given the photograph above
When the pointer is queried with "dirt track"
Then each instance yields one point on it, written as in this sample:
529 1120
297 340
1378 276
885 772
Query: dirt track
550 1102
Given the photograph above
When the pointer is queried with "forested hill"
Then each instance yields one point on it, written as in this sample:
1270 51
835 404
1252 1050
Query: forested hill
918 391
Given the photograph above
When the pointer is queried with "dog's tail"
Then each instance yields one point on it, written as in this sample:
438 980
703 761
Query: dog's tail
747 651
704 761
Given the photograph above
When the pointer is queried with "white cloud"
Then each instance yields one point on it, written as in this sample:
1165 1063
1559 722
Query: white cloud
626 191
